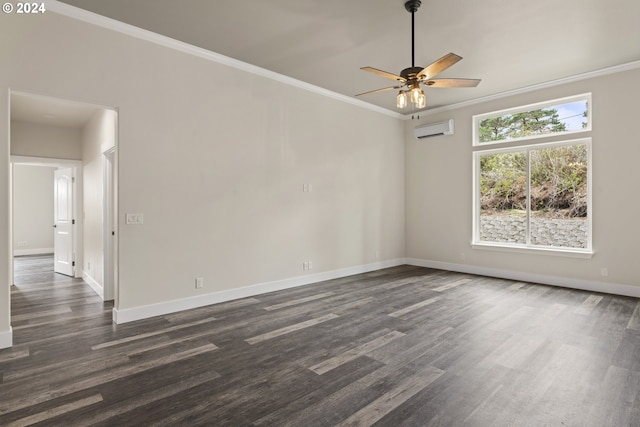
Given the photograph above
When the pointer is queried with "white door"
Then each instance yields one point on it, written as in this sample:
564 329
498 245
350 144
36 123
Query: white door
63 221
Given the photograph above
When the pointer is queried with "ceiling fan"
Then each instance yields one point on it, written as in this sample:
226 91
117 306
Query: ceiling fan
410 78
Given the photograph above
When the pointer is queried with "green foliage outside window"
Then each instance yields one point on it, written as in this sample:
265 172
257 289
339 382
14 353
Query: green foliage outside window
558 182
503 185
519 125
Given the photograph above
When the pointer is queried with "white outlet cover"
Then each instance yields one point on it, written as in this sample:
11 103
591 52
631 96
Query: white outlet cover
135 218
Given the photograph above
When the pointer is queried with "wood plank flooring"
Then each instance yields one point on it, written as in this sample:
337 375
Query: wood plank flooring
404 346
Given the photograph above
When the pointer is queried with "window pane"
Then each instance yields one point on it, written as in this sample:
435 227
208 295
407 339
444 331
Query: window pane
566 117
559 196
503 197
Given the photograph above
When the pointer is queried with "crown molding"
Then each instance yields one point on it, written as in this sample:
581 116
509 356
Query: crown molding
149 36
566 80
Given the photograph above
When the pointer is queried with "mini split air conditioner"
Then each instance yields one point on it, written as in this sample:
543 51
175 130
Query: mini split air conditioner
434 129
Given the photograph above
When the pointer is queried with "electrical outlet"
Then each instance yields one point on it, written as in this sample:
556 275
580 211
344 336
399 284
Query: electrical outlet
199 282
604 271
307 265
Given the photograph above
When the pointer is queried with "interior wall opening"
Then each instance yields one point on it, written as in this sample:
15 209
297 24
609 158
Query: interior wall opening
48 135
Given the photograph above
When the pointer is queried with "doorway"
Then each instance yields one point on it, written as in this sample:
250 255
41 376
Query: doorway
72 137
45 193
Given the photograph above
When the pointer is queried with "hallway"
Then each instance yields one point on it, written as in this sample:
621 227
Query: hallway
50 303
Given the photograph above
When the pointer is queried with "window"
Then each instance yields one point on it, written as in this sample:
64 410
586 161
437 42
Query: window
561 116
534 194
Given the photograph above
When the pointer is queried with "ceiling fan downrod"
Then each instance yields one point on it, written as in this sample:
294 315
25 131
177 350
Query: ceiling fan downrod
412 7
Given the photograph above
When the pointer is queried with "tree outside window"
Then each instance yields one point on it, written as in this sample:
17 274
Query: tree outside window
534 195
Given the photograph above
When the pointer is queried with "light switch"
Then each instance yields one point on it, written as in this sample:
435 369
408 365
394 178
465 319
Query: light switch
134 218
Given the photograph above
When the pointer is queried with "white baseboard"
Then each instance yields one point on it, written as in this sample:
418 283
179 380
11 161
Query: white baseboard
566 282
97 287
6 338
34 251
152 310
159 309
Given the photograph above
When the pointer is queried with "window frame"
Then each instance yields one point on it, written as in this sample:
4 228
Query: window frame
476 243
530 107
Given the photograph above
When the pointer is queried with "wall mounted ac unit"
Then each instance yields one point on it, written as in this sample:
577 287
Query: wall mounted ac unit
434 129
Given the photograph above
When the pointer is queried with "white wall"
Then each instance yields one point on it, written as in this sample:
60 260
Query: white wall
38 140
216 159
32 209
97 135
439 190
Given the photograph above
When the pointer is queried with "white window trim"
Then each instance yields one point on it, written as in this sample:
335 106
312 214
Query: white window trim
539 105
539 250
476 243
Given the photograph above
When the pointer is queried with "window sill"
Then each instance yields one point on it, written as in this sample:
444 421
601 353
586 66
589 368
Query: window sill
564 252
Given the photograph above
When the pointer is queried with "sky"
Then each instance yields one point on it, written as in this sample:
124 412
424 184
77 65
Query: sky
571 114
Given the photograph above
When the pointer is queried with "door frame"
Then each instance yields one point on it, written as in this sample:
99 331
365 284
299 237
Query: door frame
110 223
76 165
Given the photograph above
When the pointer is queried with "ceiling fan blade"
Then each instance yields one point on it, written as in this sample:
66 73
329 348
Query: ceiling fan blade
452 82
384 89
438 66
384 74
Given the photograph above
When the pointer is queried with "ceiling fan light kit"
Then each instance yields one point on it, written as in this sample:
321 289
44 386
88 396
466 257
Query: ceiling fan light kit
410 78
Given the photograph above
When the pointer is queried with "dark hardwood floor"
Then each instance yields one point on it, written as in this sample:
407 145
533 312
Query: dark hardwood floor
404 346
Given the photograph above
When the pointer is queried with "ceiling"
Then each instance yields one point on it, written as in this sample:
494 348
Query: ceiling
50 111
507 44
